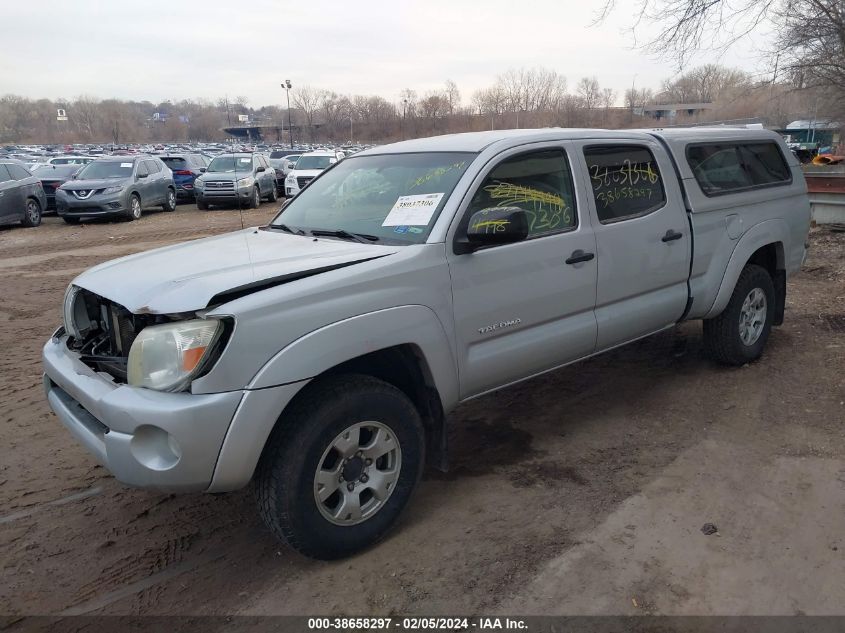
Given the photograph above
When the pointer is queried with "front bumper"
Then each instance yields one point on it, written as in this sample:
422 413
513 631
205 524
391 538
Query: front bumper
223 197
97 205
146 438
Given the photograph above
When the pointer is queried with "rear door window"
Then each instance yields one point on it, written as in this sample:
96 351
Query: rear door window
726 167
625 180
4 174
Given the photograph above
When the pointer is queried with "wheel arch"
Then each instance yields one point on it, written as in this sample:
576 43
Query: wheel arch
764 244
415 357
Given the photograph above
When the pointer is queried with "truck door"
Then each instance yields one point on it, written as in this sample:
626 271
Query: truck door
642 238
521 309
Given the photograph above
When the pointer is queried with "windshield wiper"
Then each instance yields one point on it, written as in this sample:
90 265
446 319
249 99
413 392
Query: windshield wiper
364 238
287 229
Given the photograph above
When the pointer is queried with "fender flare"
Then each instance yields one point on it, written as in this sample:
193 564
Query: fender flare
766 232
338 342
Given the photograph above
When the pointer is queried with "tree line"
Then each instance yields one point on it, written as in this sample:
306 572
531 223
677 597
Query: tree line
525 97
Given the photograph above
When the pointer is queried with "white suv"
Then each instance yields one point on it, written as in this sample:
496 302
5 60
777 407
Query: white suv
308 167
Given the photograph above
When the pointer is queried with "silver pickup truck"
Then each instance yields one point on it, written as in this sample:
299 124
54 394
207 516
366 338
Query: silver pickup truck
318 356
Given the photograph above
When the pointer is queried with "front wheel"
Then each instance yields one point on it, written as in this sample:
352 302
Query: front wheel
255 201
32 213
170 201
202 205
739 334
340 466
134 211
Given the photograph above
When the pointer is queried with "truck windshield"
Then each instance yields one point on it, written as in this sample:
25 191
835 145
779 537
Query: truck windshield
394 197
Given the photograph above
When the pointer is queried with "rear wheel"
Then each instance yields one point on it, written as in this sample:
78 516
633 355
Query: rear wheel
134 211
32 213
255 201
341 466
273 195
169 201
739 334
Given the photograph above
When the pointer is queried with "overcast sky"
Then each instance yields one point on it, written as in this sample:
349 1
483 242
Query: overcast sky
157 50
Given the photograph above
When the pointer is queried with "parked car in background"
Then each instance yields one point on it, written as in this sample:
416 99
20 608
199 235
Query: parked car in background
280 159
236 178
308 166
288 163
186 169
69 160
22 197
52 177
116 186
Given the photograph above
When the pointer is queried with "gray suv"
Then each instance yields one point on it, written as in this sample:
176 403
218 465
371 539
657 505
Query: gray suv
116 186
236 178
22 196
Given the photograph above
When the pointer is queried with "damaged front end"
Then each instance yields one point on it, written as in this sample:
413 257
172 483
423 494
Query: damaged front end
103 332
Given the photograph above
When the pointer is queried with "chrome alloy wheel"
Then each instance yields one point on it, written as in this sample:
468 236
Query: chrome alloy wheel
357 473
752 317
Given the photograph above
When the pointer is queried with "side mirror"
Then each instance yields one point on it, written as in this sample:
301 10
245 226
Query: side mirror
202 170
496 225
259 170
142 176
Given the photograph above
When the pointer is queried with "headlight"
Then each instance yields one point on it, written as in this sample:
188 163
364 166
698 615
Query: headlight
117 189
197 184
245 182
69 311
166 357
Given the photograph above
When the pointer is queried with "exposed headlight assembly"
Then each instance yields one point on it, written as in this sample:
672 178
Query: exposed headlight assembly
167 357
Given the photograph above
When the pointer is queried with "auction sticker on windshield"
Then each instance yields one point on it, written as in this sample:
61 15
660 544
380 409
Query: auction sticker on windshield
413 210
126 164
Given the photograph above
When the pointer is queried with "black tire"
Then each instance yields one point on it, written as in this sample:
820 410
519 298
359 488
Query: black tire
285 477
32 213
135 209
201 205
722 339
255 200
170 201
70 220
273 195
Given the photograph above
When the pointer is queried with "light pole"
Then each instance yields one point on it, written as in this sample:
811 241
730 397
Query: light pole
287 86
404 108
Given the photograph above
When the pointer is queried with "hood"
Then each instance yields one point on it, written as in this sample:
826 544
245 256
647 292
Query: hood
226 175
313 173
75 185
191 276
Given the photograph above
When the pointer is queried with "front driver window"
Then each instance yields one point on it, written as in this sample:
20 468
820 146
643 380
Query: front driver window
539 183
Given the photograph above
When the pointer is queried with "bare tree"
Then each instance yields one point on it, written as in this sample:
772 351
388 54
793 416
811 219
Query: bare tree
686 26
453 96
307 99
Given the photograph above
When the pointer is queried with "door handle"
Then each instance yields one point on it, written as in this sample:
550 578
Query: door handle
579 256
671 235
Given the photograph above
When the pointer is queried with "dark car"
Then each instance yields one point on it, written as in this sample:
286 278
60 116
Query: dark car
116 186
185 168
22 197
52 177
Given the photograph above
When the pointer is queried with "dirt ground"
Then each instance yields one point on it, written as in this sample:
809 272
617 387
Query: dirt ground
582 491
